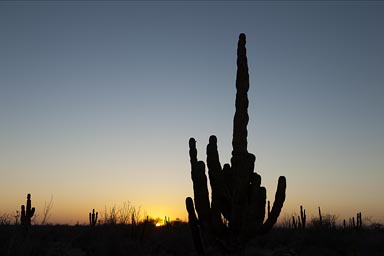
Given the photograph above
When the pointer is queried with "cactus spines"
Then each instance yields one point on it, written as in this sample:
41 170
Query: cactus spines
27 212
93 218
237 210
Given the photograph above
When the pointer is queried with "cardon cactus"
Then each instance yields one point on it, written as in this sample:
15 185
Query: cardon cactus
237 211
27 212
93 218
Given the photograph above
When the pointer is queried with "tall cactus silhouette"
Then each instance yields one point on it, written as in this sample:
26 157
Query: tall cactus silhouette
237 194
27 212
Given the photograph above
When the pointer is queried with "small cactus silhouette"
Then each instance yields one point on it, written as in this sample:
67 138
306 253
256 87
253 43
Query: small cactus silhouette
237 194
303 217
93 218
320 217
359 223
27 212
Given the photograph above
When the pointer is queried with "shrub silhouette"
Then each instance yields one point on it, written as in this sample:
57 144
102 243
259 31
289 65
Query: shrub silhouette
27 212
237 209
324 222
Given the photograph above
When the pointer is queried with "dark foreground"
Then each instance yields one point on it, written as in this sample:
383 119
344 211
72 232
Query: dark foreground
177 240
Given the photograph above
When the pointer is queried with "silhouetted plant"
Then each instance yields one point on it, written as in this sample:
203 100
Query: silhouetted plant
46 211
167 221
300 223
27 212
320 217
237 195
294 223
352 224
17 217
359 222
327 221
125 214
268 208
139 228
303 217
5 219
93 218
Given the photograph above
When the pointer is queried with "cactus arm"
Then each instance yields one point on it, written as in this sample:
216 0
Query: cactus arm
194 226
23 216
269 208
256 210
257 198
277 205
32 212
220 193
200 188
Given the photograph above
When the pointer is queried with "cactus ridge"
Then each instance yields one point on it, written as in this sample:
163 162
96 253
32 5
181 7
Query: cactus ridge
237 209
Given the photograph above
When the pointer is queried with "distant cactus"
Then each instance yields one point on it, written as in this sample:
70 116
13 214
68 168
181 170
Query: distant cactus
320 218
352 224
167 221
236 192
301 221
93 218
359 222
294 223
27 213
303 217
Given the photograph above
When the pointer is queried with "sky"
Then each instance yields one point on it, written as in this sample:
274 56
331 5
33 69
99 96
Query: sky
98 100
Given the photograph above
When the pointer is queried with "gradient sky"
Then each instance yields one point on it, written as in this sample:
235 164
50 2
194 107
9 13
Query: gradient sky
98 100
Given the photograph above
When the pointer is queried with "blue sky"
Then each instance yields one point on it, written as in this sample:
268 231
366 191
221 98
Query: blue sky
98 100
